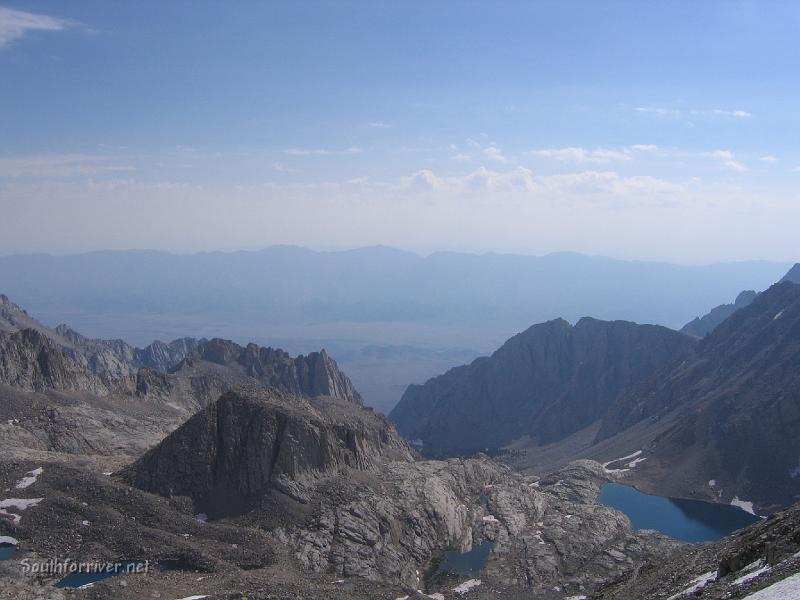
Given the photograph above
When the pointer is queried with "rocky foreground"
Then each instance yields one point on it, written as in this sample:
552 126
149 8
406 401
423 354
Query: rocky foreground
317 498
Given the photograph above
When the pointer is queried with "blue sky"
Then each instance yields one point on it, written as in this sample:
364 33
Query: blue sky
633 129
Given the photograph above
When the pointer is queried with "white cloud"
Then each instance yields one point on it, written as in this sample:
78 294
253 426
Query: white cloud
609 182
677 113
659 111
493 153
282 168
461 157
728 160
581 155
49 166
739 114
644 148
320 151
380 125
768 158
14 24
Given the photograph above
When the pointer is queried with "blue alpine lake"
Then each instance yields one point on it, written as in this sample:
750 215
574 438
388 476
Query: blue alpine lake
687 520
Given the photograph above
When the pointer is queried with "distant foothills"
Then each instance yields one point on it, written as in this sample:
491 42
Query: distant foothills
390 317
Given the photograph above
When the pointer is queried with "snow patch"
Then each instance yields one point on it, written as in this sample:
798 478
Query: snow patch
634 455
750 576
6 539
778 316
635 462
490 519
782 590
795 473
578 598
463 588
193 598
712 483
85 523
29 479
696 585
18 503
202 517
744 505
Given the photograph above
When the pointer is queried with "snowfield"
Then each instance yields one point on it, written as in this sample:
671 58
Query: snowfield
785 589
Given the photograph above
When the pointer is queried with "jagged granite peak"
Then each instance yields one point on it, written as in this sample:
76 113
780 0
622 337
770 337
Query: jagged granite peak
702 326
253 440
546 383
115 358
728 413
31 361
120 359
793 275
314 374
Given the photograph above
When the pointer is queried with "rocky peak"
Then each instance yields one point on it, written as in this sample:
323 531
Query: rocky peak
315 374
31 361
547 382
254 440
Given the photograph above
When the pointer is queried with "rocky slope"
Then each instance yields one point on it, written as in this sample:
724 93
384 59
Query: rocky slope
545 383
336 484
702 326
732 409
793 275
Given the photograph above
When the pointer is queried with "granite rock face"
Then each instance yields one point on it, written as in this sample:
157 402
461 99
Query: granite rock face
30 361
545 383
250 441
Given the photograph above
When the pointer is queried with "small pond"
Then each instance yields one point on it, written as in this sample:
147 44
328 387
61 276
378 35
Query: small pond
687 520
75 580
7 551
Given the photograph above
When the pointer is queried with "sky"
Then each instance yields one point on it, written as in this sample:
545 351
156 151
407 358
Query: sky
642 130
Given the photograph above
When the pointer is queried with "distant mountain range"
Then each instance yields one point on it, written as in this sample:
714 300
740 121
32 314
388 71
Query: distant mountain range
427 313
292 285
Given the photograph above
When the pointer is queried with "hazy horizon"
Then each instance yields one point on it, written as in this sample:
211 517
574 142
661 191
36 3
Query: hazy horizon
614 129
418 253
